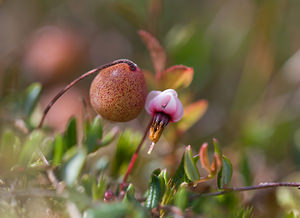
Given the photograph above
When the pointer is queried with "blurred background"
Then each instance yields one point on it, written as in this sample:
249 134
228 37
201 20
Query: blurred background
246 60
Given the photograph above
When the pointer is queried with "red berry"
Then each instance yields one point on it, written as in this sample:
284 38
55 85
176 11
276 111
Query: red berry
118 93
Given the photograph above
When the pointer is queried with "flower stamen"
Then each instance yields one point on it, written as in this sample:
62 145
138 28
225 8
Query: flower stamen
160 120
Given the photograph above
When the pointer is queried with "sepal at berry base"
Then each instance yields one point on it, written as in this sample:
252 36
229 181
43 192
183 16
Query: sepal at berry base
165 107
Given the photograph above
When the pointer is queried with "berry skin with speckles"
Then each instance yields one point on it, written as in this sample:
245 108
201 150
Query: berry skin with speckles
118 93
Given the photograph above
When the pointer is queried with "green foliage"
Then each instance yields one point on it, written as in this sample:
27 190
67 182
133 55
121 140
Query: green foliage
155 190
225 174
190 167
58 149
114 210
70 135
93 134
243 213
181 198
33 93
30 147
242 57
9 142
87 174
72 168
179 177
126 145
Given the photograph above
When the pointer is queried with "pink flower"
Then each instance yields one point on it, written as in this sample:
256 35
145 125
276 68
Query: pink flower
165 107
166 102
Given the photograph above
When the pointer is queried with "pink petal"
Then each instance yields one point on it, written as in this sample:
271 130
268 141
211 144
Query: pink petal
179 112
166 102
149 98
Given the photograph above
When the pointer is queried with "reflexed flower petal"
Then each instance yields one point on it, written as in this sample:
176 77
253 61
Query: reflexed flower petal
149 98
166 102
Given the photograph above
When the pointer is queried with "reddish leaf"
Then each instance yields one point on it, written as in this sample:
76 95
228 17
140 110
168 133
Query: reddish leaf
177 76
150 80
204 157
216 164
192 113
157 52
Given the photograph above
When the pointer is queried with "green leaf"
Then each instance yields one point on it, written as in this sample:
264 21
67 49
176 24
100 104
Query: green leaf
47 146
58 149
87 183
154 191
129 195
163 176
70 135
98 189
93 134
30 147
163 181
73 166
181 198
32 96
113 210
126 146
243 212
217 146
94 188
10 147
179 176
109 137
225 174
190 167
130 201
10 143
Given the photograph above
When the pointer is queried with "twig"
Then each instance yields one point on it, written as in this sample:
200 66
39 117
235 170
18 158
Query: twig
51 176
264 185
128 62
134 156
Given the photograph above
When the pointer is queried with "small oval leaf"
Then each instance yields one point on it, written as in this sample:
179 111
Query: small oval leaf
204 157
225 174
32 96
73 166
190 167
93 134
177 76
58 149
154 192
181 198
30 147
192 113
113 210
157 52
70 135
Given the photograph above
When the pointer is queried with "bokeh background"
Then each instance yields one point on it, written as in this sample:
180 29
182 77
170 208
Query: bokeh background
246 60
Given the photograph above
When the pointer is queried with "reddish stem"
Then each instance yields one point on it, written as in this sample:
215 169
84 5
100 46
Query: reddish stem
131 64
134 156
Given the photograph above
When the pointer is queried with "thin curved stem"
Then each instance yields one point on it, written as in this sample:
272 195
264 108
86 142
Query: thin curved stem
131 64
134 156
264 185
